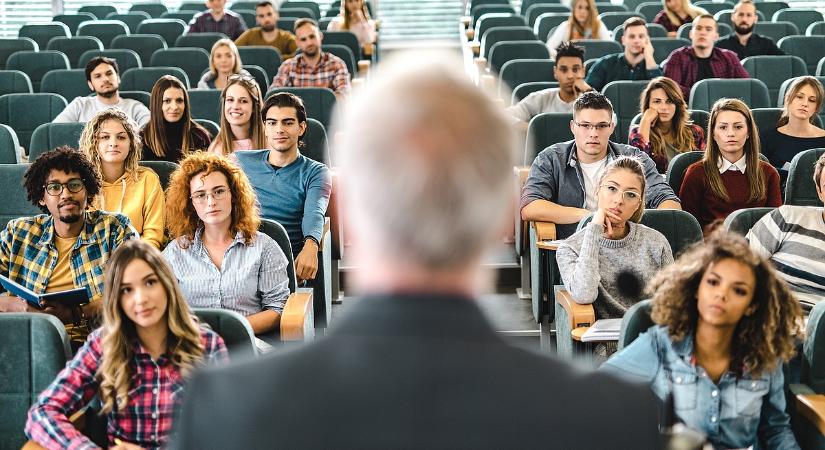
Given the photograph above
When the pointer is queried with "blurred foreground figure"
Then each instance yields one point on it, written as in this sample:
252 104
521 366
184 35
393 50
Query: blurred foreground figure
426 163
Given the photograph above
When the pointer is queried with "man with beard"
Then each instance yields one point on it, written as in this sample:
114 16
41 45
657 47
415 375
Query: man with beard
217 19
104 80
744 41
267 32
67 247
635 63
313 67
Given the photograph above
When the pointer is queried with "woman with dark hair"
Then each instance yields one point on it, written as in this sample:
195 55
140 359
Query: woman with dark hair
171 133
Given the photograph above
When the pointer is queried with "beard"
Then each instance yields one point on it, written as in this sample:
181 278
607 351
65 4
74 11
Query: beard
268 28
71 218
743 29
107 94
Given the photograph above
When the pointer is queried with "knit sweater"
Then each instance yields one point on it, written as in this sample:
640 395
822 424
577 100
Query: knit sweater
139 199
199 139
589 264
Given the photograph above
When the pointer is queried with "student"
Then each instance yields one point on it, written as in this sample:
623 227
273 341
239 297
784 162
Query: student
743 40
725 325
731 175
665 129
634 63
111 142
355 17
267 32
217 19
676 13
218 255
171 133
583 23
137 362
241 125
224 61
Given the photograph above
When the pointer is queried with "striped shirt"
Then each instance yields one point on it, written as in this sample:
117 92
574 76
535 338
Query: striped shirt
251 279
231 24
793 237
331 72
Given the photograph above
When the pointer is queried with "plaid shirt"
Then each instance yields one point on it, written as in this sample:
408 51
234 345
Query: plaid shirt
681 66
231 24
331 72
153 400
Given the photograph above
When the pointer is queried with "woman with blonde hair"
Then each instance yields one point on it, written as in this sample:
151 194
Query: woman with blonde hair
355 17
112 143
137 362
171 133
725 323
676 13
731 175
224 61
665 129
583 23
242 127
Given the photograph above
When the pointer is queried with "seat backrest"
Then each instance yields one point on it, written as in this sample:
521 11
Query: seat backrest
210 125
142 44
519 71
813 350
73 20
25 112
662 47
815 29
43 32
810 48
679 227
526 4
168 29
299 13
343 52
277 232
742 220
502 52
73 47
315 140
319 102
706 92
105 30
200 40
206 104
126 59
163 169
14 204
800 188
263 56
8 145
501 34
49 136
613 19
776 30
677 167
235 330
546 22
140 96
654 30
192 6
480 10
596 48
12 45
185 16
37 64
493 20
142 79
524 89
801 17
99 11
649 10
259 74
132 19
724 15
14 81
194 61
624 95
312 6
545 130
345 38
155 10
538 9
636 320
773 70
769 8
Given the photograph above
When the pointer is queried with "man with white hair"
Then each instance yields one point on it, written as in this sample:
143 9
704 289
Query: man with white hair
414 363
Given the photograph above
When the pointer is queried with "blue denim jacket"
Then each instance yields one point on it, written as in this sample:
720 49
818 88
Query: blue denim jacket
734 413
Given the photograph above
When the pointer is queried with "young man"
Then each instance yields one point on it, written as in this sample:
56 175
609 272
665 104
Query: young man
65 248
561 187
569 72
635 63
701 59
292 189
313 67
103 78
744 42
217 19
267 32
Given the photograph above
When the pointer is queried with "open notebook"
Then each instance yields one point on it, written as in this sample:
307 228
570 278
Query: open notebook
603 330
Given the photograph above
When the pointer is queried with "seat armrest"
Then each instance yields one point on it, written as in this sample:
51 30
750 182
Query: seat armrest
522 234
545 232
579 315
297 318
465 20
475 46
812 407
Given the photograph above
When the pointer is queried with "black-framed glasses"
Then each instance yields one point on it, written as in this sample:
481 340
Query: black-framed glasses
601 126
200 197
55 189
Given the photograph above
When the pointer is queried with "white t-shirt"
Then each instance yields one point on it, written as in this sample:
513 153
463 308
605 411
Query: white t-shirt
543 101
82 109
591 173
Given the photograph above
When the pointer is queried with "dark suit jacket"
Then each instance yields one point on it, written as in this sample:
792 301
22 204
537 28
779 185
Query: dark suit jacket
413 371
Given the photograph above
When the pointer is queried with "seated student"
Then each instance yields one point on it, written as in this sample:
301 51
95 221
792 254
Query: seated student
613 242
569 72
267 32
218 255
792 237
725 325
731 175
224 61
634 63
171 133
676 13
583 23
291 188
561 187
217 19
111 142
103 78
241 125
137 362
796 130
355 17
65 248
743 40
665 129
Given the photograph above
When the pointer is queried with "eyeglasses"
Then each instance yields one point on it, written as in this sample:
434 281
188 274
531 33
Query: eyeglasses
631 197
199 198
602 126
55 189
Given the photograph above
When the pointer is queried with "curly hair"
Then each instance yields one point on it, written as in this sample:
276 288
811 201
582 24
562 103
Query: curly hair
65 159
90 139
182 220
760 337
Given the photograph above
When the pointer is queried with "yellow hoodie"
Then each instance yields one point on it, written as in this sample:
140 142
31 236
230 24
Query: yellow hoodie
141 200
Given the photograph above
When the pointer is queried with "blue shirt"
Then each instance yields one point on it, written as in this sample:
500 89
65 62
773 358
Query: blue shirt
736 412
296 196
615 67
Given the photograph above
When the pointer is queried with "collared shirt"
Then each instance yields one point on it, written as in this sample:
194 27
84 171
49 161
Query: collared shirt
231 24
330 72
738 166
756 45
682 67
616 67
155 394
730 412
251 279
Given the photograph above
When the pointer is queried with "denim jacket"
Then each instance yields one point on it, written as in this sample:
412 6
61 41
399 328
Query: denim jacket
733 413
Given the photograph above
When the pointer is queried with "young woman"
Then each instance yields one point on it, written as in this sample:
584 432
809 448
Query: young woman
241 125
355 17
725 324
111 142
224 61
220 258
676 13
613 242
731 175
171 133
137 362
665 129
583 23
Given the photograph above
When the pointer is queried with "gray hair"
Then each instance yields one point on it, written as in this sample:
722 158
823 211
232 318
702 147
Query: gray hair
426 162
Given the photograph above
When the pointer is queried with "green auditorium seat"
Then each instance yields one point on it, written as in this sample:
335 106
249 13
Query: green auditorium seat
662 47
815 29
614 19
713 7
753 92
168 29
155 10
68 83
185 16
37 64
504 34
649 10
539 9
142 44
545 130
105 30
624 95
206 104
12 45
248 17
605 7
343 52
264 56
131 19
546 22
346 38
8 145
298 13
73 20
654 30
810 48
812 379
15 204
99 11
126 59
742 220
480 10
524 89
491 21
163 169
596 48
49 136
242 5
801 17
776 30
770 8
199 40
319 102
724 16
194 61
677 167
800 188
259 74
235 330
501 52
519 71
144 78
284 23
25 112
773 70
43 32
140 96
635 322
14 82
312 6
526 4
211 126
192 6
316 147
73 47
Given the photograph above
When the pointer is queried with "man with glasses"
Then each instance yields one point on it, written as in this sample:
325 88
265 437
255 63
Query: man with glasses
292 189
561 187
67 247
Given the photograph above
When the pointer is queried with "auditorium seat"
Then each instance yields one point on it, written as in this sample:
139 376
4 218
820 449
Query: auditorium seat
315 146
73 47
654 30
664 46
37 64
25 112
15 203
185 16
199 40
68 84
235 330
343 52
131 19
346 38
205 104
649 10
635 321
706 92
99 11
810 48
684 30
155 10
524 89
480 10
192 60
259 74
606 6
806 419
105 30
545 23
8 145
144 78
285 23
815 29
504 34
241 5
677 167
73 20
126 59
614 19
163 169
192 6
42 33
492 21
742 220
596 48
773 70
624 95
211 126
8 46
49 136
519 71
168 29
776 30
724 16
769 8
312 6
537 10
14 82
248 17
141 96
142 44
801 17
502 52
298 13
800 188
526 4
319 102
264 56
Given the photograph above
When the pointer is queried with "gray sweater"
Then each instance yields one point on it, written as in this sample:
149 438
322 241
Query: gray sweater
589 264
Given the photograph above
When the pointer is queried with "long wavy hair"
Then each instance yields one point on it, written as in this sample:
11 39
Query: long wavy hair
593 22
119 336
634 166
154 133
760 338
256 125
89 139
756 180
680 123
687 7
182 219
344 13
793 89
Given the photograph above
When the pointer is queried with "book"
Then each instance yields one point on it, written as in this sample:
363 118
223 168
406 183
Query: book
71 297
603 330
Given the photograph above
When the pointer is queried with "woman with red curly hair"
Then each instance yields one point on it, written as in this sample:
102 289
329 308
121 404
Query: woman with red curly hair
220 258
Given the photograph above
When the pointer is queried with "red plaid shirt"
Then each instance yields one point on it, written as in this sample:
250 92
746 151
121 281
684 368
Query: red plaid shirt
331 72
154 397
681 66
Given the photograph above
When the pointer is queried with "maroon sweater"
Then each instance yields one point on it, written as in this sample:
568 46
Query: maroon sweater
710 210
